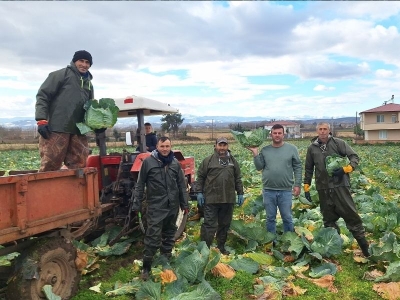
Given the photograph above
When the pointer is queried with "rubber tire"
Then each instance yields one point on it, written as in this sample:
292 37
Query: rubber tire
55 257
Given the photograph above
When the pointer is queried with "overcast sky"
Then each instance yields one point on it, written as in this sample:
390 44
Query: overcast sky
269 59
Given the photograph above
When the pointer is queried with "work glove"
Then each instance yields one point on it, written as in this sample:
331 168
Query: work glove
185 210
136 206
307 191
101 130
240 200
338 173
43 129
200 199
308 196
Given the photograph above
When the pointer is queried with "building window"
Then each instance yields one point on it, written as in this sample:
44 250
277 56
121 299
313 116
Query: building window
380 118
394 119
382 134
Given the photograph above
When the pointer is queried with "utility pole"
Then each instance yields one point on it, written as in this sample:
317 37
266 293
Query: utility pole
356 127
212 129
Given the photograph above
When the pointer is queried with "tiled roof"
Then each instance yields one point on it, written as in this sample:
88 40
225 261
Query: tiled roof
384 108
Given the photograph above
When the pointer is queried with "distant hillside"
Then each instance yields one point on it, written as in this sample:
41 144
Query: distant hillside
207 121
348 120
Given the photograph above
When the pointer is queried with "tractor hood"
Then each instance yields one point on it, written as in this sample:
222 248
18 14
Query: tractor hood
132 105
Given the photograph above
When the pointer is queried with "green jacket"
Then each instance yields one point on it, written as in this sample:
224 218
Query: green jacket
61 98
315 159
218 182
165 186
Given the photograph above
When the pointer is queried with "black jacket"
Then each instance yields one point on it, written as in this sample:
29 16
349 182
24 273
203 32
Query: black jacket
61 98
165 186
315 159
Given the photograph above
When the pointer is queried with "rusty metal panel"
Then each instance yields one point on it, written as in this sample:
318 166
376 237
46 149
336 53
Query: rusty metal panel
37 202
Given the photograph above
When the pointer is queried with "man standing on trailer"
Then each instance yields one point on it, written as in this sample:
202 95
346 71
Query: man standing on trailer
59 106
162 177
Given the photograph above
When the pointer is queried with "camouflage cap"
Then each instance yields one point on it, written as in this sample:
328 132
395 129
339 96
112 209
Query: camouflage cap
222 140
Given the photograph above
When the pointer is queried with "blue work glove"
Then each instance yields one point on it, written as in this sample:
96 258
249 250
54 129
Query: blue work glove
200 199
44 129
240 200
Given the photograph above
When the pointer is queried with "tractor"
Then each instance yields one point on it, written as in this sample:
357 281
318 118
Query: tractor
42 212
118 172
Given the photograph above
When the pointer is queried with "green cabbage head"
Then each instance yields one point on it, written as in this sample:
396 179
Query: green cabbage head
252 138
334 162
99 114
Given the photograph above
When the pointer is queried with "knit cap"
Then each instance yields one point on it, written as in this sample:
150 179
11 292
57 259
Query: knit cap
82 54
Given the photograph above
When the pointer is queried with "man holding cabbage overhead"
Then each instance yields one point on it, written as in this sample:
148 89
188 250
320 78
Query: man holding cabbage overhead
333 159
281 176
59 107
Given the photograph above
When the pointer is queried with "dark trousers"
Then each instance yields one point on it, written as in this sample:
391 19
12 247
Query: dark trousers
160 233
336 203
217 219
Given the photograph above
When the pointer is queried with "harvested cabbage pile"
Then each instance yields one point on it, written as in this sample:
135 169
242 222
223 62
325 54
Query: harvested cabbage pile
252 138
99 114
334 162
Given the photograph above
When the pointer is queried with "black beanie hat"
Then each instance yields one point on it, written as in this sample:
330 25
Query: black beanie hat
82 54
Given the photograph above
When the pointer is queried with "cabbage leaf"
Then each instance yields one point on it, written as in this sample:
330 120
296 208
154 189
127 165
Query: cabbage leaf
392 273
245 264
327 242
323 269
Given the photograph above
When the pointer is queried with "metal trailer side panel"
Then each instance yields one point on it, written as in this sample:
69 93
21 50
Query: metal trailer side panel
38 202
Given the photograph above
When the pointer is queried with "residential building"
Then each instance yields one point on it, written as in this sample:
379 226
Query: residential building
292 129
381 124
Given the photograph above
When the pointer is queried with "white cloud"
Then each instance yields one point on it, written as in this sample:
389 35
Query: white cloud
237 58
321 87
384 73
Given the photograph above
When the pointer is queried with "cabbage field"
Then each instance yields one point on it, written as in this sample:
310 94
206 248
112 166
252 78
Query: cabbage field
314 262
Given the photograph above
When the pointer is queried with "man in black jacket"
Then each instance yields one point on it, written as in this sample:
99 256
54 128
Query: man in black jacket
59 106
162 177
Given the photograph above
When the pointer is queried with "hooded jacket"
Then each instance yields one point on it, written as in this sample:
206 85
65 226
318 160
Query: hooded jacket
165 186
219 182
61 98
315 158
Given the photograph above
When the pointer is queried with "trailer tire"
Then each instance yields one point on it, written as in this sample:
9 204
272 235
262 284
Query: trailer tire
49 262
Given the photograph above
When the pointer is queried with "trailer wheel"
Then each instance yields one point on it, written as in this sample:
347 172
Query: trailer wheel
48 262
